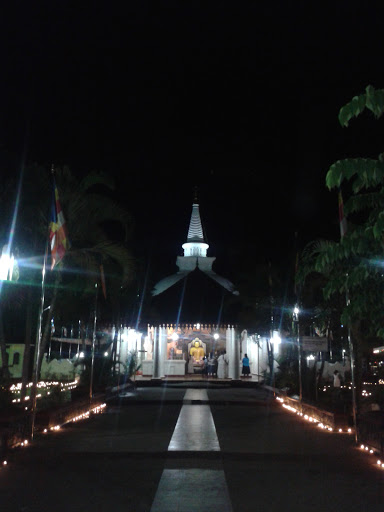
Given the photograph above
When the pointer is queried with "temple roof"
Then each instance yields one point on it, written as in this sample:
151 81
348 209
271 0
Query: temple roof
195 231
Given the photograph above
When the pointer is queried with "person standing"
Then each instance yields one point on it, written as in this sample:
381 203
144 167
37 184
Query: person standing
336 379
205 367
211 364
246 369
336 386
221 363
226 360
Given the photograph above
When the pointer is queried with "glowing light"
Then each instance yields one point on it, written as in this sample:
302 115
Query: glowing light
81 354
216 336
175 336
197 326
5 462
7 264
296 310
276 340
105 354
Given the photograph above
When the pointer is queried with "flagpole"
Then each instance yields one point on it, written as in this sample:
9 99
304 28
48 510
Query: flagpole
93 349
352 361
38 340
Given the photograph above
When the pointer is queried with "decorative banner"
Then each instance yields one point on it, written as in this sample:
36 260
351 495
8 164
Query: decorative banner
313 344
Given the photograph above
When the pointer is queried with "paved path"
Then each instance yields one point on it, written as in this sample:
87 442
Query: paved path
180 449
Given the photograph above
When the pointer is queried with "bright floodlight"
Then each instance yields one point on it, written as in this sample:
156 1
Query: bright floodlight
197 326
8 265
105 354
175 336
276 340
81 354
296 310
216 336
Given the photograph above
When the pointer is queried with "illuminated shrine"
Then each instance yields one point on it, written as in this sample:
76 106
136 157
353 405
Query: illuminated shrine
180 348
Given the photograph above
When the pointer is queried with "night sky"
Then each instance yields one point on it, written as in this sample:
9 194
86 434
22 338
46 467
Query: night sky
238 98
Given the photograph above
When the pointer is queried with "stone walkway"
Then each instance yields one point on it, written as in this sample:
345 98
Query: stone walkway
182 449
195 432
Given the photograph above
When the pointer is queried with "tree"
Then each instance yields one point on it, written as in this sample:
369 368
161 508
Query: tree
91 214
353 267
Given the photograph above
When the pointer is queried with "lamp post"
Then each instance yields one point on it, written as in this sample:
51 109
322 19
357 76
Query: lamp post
296 312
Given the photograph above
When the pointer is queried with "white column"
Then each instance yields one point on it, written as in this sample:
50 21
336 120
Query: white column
230 352
244 343
162 349
124 345
156 354
236 356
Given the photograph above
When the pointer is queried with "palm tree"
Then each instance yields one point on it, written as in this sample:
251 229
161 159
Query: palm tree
89 209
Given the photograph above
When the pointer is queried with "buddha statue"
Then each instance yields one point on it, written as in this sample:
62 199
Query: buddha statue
197 352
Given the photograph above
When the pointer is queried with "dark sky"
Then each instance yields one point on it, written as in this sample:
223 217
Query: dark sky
238 98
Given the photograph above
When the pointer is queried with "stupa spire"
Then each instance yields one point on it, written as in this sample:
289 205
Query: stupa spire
195 256
195 244
195 231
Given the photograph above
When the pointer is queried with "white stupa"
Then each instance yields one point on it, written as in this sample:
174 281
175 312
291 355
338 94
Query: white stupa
195 256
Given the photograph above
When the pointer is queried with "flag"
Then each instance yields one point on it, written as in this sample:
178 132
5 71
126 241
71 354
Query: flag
342 219
58 237
102 276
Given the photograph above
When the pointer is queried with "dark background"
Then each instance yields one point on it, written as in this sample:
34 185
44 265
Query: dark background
238 98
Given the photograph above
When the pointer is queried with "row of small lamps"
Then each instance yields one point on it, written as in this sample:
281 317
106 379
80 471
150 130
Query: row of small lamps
95 410
363 447
311 419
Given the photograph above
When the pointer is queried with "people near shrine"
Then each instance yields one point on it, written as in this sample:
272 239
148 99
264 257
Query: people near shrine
215 364
211 364
246 371
222 365
204 370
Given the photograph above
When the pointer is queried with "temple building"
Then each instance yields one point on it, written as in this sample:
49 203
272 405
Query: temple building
180 348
